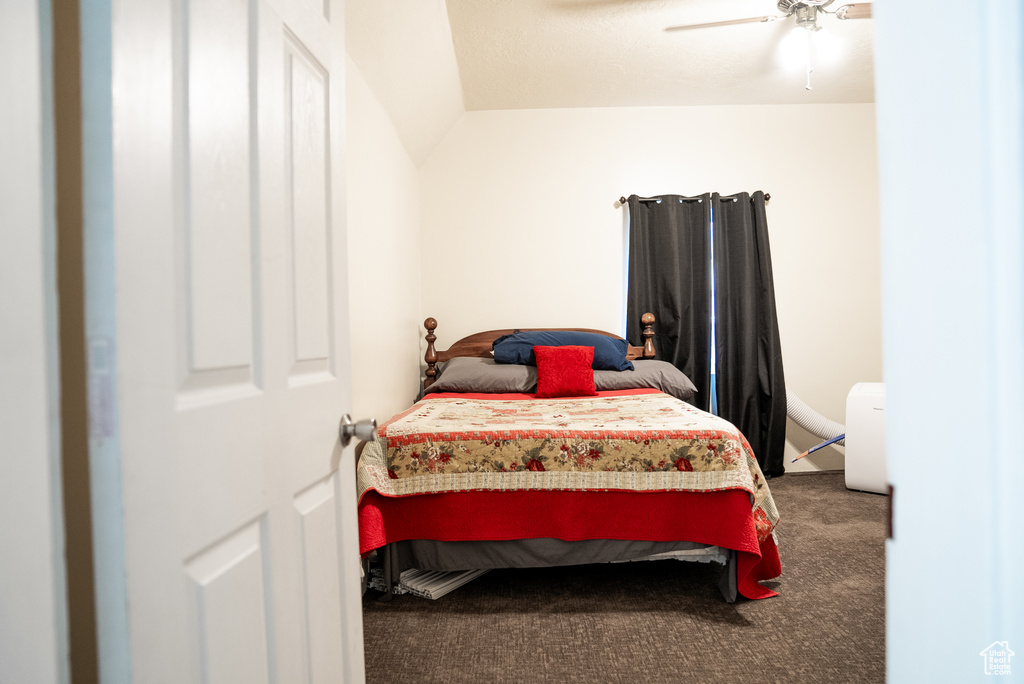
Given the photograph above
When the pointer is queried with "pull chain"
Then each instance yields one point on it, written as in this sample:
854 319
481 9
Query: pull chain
810 68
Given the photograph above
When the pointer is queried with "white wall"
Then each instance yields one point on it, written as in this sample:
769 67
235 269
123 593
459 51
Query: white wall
521 225
384 258
33 598
950 106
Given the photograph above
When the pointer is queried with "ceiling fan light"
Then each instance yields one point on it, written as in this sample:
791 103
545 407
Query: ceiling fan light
859 11
795 48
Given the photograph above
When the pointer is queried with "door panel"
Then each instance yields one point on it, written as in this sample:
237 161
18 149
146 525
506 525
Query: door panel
217 270
308 179
228 596
231 342
219 225
317 509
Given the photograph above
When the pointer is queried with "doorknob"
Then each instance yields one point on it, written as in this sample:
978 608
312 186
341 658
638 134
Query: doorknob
364 430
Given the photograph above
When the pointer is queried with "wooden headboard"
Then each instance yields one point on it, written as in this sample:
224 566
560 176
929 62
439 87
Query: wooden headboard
479 344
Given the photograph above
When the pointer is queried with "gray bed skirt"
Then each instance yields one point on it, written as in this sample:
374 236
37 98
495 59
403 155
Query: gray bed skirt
425 554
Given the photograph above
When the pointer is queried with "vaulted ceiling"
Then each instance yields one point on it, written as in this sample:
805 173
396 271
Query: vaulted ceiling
428 61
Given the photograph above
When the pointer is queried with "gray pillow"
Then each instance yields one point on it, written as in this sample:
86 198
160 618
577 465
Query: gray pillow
471 374
660 375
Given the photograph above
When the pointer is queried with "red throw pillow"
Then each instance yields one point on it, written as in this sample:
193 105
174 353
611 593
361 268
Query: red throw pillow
565 371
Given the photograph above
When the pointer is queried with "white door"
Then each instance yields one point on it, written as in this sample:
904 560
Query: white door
33 609
217 329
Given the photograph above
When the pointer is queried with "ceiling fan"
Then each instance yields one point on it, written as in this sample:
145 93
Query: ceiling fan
806 12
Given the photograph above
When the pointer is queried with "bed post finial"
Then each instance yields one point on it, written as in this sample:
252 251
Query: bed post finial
431 356
648 321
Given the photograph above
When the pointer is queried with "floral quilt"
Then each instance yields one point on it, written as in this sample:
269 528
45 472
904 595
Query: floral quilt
636 442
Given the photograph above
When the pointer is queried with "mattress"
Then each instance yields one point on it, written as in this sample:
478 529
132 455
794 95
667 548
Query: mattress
628 465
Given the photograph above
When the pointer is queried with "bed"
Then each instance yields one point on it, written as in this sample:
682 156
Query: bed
542 447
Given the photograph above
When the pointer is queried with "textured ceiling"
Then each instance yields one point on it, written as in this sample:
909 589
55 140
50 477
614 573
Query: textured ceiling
516 54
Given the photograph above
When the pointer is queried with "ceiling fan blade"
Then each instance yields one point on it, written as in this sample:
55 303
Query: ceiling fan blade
730 22
860 10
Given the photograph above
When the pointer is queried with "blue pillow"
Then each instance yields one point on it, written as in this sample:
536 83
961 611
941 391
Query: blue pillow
609 352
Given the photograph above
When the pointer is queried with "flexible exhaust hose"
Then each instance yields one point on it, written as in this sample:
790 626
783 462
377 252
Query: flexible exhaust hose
812 421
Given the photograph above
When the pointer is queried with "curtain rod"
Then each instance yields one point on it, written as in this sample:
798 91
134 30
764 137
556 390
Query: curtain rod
622 200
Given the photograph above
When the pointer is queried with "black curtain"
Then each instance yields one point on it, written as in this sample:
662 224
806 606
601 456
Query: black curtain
670 276
750 383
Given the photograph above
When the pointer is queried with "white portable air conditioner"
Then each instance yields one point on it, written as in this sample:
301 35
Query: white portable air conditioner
865 438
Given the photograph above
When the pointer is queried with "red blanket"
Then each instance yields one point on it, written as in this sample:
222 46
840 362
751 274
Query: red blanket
720 518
